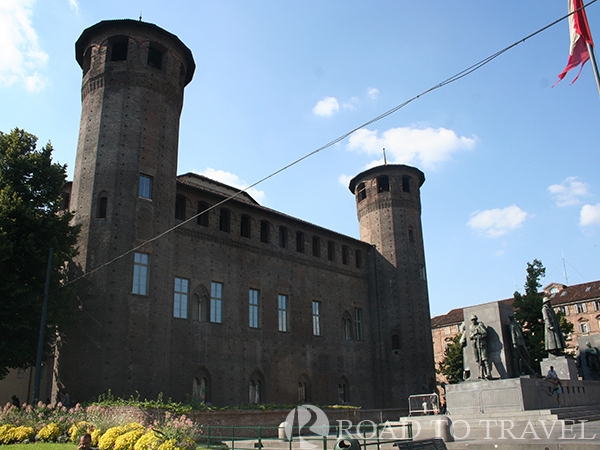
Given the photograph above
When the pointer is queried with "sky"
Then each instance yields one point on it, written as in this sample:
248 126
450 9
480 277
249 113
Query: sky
511 163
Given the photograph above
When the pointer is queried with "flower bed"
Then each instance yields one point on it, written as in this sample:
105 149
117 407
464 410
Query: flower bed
111 428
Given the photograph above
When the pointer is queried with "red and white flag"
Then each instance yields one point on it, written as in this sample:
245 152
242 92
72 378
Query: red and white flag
580 37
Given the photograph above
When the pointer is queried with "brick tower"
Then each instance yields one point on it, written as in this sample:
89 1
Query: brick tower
123 194
389 213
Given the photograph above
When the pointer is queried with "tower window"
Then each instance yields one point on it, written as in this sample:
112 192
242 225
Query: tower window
155 57
141 263
383 183
411 235
180 202
265 231
361 192
405 184
118 51
87 60
396 344
202 219
145 187
246 226
102 206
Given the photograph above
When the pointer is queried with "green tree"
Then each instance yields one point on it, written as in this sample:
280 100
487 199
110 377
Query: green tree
31 222
452 364
528 312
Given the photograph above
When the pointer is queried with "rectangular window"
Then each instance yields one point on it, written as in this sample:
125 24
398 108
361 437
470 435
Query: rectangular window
253 308
140 273
282 312
316 315
180 299
358 259
580 308
145 187
596 305
584 327
358 323
216 302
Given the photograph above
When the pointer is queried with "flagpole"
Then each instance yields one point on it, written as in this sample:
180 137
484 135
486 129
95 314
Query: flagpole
590 49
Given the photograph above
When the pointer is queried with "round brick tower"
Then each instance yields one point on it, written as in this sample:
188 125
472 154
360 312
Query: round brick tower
123 193
389 213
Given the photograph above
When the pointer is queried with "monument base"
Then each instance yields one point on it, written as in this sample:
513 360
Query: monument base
565 367
518 394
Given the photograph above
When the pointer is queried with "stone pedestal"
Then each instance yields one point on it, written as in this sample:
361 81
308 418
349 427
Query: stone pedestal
565 368
495 317
517 394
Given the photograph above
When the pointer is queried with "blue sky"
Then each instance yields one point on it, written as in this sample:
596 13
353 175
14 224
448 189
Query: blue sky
511 164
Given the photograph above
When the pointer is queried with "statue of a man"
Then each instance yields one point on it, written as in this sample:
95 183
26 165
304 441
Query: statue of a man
478 334
520 353
554 340
592 359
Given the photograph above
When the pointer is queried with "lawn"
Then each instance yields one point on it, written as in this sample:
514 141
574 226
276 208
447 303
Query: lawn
41 446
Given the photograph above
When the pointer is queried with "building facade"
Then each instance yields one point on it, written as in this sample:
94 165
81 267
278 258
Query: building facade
190 288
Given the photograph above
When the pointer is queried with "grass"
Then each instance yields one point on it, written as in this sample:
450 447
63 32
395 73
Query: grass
41 446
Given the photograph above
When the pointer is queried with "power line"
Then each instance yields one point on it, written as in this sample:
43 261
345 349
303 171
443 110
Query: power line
463 73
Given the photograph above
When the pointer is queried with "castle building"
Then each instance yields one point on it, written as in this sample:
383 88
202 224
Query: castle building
194 290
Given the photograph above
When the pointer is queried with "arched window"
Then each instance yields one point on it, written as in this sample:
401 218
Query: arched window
201 386
303 389
102 206
255 389
346 326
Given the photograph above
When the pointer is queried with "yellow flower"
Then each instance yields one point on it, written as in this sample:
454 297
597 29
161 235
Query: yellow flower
49 433
127 441
169 445
148 441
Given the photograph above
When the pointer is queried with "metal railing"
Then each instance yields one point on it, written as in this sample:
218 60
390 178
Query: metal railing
258 437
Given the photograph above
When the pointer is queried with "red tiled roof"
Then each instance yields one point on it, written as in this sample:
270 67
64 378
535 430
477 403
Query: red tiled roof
566 295
575 294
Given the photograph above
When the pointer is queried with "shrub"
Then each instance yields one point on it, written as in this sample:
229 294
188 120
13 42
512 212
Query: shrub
49 433
149 441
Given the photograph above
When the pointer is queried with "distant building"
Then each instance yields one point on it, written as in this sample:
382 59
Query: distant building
579 303
242 304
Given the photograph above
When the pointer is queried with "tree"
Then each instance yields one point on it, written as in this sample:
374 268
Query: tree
31 222
528 312
452 364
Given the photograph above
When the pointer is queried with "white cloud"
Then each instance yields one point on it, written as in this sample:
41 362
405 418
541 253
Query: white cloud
20 54
373 93
590 215
233 180
496 222
326 107
345 179
568 192
426 147
74 4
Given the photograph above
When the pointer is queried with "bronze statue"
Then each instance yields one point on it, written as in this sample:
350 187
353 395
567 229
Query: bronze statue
554 340
478 334
520 353
592 360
